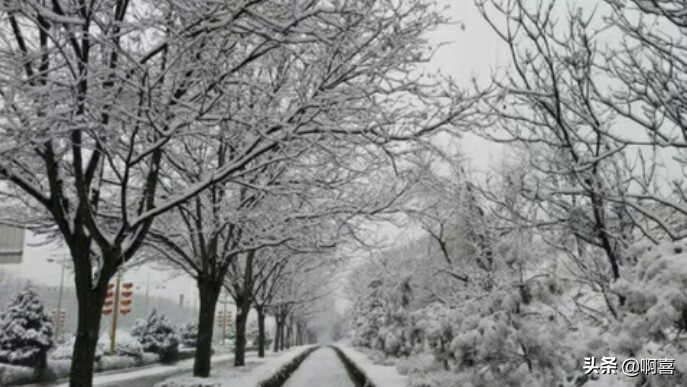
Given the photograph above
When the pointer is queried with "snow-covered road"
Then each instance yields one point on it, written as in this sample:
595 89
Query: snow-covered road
321 368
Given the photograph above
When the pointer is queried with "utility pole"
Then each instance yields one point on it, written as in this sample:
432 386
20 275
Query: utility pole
224 320
147 293
58 320
115 312
62 262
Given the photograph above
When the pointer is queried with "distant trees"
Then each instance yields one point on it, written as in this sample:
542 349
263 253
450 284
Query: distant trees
26 331
575 244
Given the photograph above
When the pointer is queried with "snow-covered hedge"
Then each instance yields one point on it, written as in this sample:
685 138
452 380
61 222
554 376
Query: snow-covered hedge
15 375
157 335
125 345
366 372
65 351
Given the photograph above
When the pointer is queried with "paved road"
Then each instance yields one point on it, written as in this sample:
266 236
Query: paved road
321 368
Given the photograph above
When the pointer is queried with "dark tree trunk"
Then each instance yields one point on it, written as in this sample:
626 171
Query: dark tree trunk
240 343
276 334
299 334
209 294
281 335
289 329
244 300
90 305
261 331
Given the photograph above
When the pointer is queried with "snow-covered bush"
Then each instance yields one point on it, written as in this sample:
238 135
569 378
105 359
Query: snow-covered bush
26 331
654 315
157 335
125 344
188 334
432 331
396 335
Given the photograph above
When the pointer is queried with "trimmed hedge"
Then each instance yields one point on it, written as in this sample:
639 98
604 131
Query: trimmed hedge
357 375
59 369
285 372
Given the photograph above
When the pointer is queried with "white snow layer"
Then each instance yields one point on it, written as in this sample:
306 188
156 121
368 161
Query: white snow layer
255 371
321 368
379 375
122 377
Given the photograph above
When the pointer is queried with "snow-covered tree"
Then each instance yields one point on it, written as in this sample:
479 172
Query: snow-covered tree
26 331
157 335
396 335
188 334
369 315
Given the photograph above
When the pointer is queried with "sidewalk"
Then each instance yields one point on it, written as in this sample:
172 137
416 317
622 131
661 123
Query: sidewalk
122 378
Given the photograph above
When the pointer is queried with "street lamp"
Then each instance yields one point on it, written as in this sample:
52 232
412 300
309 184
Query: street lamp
62 262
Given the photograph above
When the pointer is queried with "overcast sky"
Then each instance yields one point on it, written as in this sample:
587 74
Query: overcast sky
474 52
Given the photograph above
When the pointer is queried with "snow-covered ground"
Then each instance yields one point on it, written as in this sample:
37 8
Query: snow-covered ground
321 368
125 378
255 371
379 375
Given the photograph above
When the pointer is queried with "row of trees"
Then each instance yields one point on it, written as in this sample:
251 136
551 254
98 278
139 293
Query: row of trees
210 133
573 246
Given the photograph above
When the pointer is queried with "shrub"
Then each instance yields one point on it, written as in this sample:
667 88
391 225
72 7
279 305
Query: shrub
125 345
26 332
188 334
157 335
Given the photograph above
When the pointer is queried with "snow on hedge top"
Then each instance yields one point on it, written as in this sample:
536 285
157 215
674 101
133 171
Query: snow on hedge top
379 375
249 376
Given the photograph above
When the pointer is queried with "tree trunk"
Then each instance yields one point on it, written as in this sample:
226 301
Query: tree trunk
240 343
261 331
276 333
87 332
281 335
209 294
90 302
289 329
244 301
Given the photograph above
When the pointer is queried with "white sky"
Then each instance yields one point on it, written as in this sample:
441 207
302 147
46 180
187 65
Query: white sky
474 52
